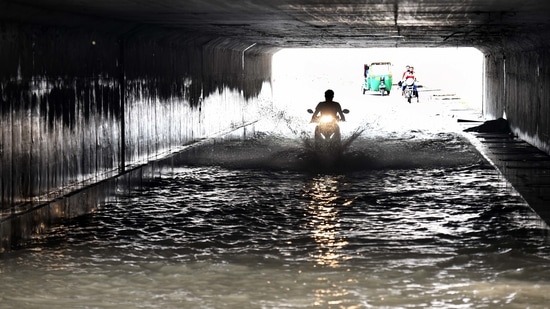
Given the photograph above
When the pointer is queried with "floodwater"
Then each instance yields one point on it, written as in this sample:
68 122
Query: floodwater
410 216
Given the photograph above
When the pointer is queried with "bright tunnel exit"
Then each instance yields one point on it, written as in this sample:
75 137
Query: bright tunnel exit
300 76
450 85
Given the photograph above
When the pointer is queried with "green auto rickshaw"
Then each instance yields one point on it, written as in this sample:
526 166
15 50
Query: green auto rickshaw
378 77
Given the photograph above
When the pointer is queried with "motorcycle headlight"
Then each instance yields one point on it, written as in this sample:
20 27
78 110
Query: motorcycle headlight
326 119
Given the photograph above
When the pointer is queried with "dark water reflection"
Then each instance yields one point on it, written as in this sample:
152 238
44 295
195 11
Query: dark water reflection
226 228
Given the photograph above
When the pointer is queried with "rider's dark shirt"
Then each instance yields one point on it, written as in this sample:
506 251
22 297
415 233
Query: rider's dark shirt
329 108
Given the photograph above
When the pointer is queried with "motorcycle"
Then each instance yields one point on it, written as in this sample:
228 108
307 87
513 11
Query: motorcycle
409 89
327 131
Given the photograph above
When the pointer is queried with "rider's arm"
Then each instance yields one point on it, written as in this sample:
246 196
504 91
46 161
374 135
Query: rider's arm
342 117
341 113
315 113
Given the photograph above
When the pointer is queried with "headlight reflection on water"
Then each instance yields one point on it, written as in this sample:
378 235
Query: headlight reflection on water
323 220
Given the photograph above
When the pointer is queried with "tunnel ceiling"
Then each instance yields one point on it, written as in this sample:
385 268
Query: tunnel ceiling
307 23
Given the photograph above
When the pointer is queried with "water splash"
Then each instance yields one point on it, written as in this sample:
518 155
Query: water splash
330 157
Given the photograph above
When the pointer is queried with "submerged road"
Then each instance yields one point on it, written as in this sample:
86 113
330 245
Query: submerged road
414 218
525 167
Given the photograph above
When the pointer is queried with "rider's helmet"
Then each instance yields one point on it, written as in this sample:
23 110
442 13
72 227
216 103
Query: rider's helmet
329 94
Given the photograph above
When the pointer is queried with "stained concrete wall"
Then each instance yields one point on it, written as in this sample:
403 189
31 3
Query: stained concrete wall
80 107
517 86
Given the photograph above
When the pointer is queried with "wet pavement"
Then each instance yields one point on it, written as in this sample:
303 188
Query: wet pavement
415 220
524 166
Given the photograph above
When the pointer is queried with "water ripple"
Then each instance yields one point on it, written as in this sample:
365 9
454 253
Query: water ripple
390 233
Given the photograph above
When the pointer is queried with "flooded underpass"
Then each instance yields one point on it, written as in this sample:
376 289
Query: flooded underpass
410 216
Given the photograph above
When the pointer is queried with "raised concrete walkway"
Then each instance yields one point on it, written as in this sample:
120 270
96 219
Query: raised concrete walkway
524 166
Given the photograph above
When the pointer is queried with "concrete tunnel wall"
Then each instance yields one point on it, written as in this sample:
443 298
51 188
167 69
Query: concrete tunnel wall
79 108
517 87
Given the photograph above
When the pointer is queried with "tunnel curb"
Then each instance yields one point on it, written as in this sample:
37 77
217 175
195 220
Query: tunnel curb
27 220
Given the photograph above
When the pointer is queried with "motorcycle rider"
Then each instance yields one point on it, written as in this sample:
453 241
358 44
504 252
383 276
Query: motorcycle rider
329 107
400 83
415 89
409 74
407 70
